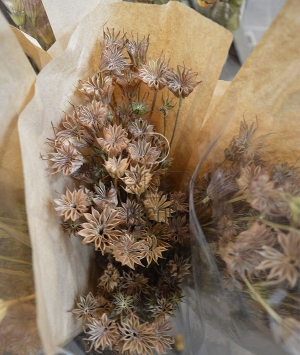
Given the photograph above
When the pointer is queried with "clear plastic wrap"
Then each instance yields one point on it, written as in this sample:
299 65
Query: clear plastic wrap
267 91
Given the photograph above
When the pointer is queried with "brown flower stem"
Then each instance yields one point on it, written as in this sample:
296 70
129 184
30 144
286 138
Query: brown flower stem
279 226
259 299
116 183
176 120
152 106
165 124
207 224
14 260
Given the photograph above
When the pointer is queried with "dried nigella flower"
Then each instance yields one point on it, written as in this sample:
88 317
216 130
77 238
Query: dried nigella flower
67 159
262 193
245 146
123 303
113 61
100 228
183 82
240 258
221 185
98 87
131 212
143 152
138 338
163 340
178 229
86 307
137 50
103 333
127 251
154 74
114 141
94 115
152 249
124 112
157 207
72 205
110 278
129 84
141 129
134 283
137 179
178 200
105 198
257 236
75 133
116 167
139 107
286 265
111 39
248 173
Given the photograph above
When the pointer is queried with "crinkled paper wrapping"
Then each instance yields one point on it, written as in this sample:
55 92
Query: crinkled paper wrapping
64 17
17 79
267 87
63 266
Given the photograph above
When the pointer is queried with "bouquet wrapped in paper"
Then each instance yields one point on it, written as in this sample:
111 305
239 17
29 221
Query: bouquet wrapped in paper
64 268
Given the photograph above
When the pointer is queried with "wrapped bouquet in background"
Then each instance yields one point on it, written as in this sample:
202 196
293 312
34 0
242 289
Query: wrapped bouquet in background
30 17
244 214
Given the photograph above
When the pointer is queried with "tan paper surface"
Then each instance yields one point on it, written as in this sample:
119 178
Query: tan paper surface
64 17
62 264
266 87
32 48
17 78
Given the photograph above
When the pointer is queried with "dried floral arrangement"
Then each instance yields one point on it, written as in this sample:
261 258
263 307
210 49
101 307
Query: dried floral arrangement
18 328
248 208
30 16
123 207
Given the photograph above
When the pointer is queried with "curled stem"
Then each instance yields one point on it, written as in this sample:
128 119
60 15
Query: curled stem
176 121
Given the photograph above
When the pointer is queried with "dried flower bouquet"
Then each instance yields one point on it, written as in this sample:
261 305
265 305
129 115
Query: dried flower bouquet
248 208
124 208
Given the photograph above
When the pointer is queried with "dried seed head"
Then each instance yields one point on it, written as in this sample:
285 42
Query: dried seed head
93 116
100 229
286 265
183 82
137 50
116 167
154 74
137 179
98 87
